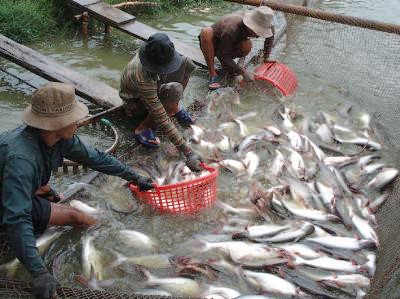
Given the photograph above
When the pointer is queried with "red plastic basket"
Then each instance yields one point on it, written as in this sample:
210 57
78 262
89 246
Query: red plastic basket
278 75
182 198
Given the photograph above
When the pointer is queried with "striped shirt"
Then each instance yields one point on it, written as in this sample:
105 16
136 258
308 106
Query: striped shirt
137 83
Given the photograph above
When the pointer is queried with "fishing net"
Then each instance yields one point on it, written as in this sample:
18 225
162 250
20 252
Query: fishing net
362 62
365 64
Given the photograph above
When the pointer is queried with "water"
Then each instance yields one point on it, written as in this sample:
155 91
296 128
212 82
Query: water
103 58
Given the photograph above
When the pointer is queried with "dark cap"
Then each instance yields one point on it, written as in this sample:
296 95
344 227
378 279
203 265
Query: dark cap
158 55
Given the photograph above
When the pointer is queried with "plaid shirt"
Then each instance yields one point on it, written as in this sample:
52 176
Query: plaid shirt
138 84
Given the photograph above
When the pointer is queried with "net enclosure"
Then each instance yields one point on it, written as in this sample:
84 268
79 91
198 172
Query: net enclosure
361 57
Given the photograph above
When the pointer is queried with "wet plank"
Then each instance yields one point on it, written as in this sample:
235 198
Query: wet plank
106 13
87 2
90 89
142 31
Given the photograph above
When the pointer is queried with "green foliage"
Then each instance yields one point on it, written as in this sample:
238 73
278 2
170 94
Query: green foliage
26 20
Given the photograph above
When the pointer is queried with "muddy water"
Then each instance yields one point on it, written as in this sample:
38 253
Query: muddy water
103 58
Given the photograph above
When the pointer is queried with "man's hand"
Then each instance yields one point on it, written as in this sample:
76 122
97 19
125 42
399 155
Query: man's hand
248 76
193 161
44 285
144 183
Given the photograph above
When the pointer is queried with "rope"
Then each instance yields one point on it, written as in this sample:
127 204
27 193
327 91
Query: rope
323 15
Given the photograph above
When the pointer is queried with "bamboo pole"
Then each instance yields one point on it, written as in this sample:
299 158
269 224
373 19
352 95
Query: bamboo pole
323 15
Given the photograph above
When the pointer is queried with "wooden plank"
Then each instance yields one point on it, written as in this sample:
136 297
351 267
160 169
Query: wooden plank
142 31
87 2
106 13
90 89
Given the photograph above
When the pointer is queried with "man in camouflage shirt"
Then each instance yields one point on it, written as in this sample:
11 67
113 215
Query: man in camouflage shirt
152 85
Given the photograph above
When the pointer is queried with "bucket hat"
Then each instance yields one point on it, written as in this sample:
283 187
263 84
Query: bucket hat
54 107
260 21
158 55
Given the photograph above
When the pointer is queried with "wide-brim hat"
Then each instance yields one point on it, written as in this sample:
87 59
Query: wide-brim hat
54 107
260 21
158 55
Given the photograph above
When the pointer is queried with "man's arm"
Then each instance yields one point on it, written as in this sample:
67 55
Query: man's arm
74 149
268 45
17 185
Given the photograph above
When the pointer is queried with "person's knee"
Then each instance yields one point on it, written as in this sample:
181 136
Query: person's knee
244 48
170 94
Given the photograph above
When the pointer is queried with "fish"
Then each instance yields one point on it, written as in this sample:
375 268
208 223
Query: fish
242 127
360 141
274 130
296 141
251 161
365 230
362 161
371 168
340 161
293 235
325 133
156 261
297 164
177 286
329 263
382 179
43 243
377 203
235 166
224 144
343 243
349 279
138 240
198 132
246 253
257 231
270 283
153 292
327 195
81 206
309 214
243 212
285 115
278 163
301 250
251 140
212 292
92 260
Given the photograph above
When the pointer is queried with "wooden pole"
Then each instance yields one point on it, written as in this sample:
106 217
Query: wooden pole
323 15
85 24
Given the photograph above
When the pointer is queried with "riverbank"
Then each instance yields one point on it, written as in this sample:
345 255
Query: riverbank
26 21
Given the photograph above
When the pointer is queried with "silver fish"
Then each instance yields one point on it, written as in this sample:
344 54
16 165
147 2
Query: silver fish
363 227
198 132
256 231
278 163
329 263
325 133
350 279
296 141
243 212
292 235
234 166
343 243
274 130
377 203
297 164
138 240
366 160
251 161
92 259
178 286
371 168
309 214
226 293
382 179
242 127
360 141
157 261
340 161
302 250
81 206
270 283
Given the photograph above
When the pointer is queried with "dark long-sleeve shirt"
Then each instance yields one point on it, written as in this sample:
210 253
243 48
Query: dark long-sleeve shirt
25 165
229 31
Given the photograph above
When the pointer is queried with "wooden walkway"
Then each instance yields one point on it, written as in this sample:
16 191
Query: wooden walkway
90 89
128 24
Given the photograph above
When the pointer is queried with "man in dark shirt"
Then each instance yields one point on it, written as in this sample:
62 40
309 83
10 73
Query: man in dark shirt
229 38
27 156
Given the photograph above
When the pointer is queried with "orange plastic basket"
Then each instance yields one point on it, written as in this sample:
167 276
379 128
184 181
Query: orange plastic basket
182 198
279 75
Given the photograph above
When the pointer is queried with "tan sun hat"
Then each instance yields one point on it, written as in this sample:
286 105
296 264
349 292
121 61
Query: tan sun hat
260 21
54 107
